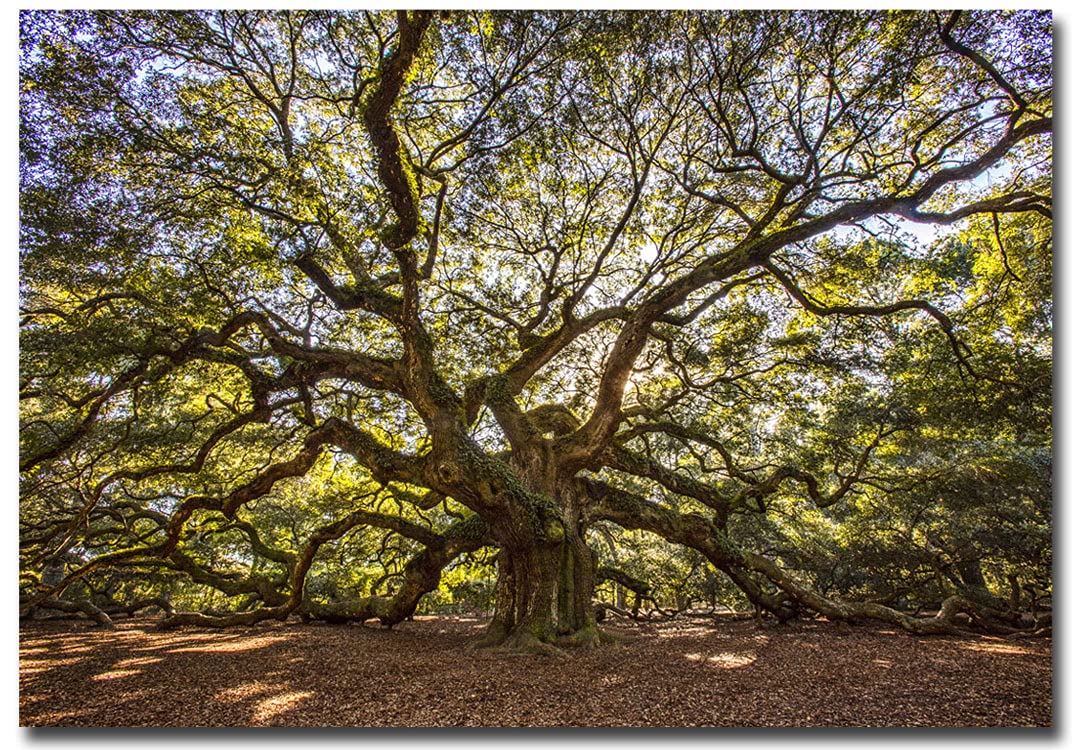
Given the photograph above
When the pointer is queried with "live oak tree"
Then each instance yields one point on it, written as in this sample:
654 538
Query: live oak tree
301 291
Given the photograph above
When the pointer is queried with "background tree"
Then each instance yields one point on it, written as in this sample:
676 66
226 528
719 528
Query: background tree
315 303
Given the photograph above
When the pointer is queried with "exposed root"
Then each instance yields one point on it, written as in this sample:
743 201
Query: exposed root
489 640
589 637
586 638
523 642
1046 632
520 641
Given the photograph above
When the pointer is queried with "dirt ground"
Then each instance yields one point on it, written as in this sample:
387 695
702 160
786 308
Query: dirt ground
688 672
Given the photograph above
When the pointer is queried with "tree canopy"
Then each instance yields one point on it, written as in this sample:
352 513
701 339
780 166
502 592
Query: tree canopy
343 314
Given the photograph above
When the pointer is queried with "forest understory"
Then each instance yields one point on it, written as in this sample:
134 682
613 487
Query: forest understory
691 671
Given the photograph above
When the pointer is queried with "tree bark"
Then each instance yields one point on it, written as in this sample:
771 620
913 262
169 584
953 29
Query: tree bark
547 571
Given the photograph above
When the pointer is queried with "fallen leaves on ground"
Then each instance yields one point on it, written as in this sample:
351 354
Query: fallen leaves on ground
687 672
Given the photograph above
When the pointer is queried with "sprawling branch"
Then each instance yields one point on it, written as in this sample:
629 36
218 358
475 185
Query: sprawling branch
395 172
633 512
817 308
421 575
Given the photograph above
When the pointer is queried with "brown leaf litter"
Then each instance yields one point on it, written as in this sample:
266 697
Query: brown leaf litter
687 672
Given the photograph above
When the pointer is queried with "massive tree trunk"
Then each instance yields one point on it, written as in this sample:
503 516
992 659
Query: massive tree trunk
546 570
544 594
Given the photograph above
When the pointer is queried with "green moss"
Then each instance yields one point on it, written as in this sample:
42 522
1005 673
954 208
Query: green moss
442 394
544 516
472 528
498 390
587 637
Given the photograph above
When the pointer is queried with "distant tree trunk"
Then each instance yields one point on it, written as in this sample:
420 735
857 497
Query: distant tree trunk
1014 593
52 572
710 588
971 577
